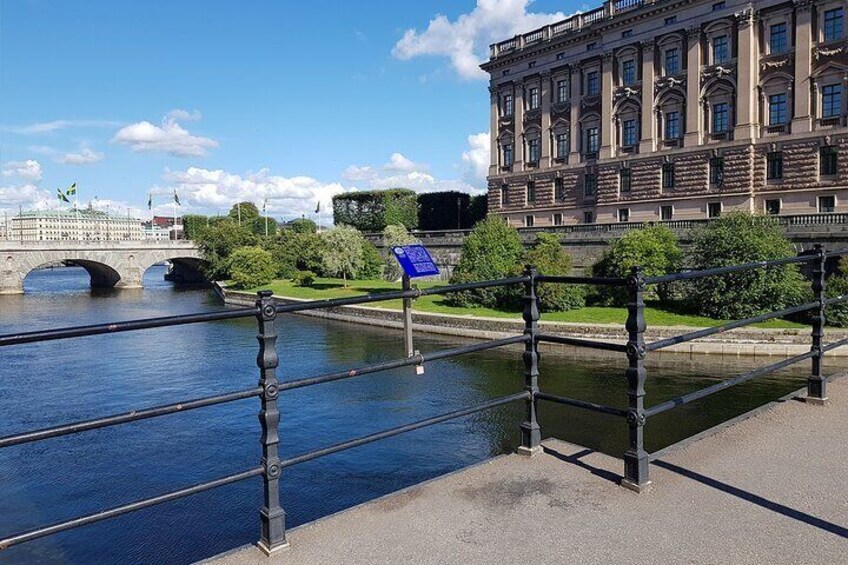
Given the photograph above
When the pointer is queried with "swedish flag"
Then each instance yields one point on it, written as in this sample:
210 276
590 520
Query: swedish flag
61 195
71 189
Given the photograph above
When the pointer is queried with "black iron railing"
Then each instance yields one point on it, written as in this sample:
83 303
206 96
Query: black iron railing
265 310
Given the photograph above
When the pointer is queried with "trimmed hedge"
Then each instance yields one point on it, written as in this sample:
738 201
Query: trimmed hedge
450 210
373 210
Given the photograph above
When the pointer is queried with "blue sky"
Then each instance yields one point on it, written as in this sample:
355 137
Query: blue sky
289 101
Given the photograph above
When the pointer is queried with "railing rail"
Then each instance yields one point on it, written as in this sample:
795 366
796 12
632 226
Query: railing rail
636 458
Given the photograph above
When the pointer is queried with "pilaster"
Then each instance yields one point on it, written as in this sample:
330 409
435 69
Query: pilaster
546 140
574 137
606 106
647 143
747 67
694 115
802 121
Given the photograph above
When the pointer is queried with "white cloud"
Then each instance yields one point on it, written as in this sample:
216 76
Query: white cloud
55 125
26 196
216 190
399 163
355 173
465 41
169 138
29 170
401 172
84 156
476 160
184 115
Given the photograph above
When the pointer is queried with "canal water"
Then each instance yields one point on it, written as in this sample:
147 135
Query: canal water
57 382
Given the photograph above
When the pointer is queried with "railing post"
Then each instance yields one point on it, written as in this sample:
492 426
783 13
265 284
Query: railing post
636 458
272 517
817 383
531 435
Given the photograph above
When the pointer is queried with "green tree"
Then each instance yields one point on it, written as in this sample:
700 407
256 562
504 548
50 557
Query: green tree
549 258
193 224
654 248
244 213
303 225
837 285
392 236
250 267
493 250
343 253
217 242
732 240
296 251
372 262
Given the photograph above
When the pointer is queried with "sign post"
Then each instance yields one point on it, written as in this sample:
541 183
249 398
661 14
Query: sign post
415 261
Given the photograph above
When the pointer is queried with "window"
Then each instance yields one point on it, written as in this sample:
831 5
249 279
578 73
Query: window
666 212
531 192
777 38
531 64
593 87
625 179
529 221
777 110
507 155
668 175
717 171
671 20
833 24
626 33
593 140
628 72
560 56
624 214
507 105
505 73
532 98
561 145
628 133
827 204
828 160
773 207
557 219
562 91
533 151
713 209
559 190
504 195
831 101
721 53
591 46
672 61
774 166
588 218
721 117
672 125
719 6
590 184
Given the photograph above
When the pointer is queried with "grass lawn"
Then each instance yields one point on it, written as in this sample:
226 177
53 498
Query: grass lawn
334 288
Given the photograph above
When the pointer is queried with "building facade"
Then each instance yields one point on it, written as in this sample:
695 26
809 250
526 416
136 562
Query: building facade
648 110
73 225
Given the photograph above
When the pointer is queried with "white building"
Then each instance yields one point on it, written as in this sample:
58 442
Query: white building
73 225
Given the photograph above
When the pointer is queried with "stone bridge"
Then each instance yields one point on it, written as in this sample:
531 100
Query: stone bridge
119 264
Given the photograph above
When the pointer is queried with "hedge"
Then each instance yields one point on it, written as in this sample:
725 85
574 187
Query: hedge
373 210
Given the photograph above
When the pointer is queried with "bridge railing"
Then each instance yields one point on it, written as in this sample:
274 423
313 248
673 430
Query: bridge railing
269 387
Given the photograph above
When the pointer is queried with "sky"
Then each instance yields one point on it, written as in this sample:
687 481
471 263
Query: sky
287 102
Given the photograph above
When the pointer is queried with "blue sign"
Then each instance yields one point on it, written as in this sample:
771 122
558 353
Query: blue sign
415 260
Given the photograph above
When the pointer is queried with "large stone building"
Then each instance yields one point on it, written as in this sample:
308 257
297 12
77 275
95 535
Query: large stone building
672 109
73 225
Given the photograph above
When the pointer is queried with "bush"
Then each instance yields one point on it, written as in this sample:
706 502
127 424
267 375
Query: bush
303 225
742 238
654 248
250 267
304 278
394 236
372 262
217 243
372 211
296 251
493 250
837 285
549 258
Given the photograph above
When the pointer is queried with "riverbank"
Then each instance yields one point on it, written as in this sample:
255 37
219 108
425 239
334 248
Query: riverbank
750 341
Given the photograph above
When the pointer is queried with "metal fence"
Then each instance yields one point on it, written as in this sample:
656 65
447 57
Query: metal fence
269 388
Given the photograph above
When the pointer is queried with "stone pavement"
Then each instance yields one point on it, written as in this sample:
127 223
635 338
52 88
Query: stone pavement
769 489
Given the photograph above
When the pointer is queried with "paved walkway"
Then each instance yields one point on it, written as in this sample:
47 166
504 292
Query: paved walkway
770 489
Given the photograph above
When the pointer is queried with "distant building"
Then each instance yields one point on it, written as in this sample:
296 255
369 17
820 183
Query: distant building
161 228
642 110
73 225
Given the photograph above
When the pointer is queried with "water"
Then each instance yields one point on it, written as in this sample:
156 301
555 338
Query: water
62 381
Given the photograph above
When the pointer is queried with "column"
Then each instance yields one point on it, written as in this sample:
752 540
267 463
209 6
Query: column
574 136
547 151
493 130
606 106
647 143
802 121
694 118
747 67
518 144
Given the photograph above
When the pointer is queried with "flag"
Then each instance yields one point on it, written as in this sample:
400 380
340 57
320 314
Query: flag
318 208
264 205
61 195
149 200
176 199
71 189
